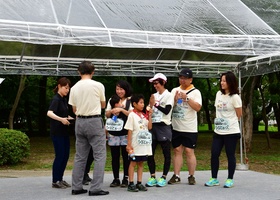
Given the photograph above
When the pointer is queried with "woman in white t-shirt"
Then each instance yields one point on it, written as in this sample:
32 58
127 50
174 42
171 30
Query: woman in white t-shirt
227 132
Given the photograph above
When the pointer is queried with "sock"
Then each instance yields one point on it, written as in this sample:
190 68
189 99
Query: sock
153 176
163 177
131 183
139 182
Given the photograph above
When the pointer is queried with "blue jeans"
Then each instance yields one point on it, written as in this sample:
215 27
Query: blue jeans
62 149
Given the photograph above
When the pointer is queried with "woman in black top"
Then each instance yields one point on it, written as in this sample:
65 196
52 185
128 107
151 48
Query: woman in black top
59 122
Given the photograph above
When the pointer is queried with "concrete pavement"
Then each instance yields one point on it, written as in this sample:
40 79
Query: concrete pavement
248 185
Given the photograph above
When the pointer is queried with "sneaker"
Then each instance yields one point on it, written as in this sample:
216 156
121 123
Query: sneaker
115 183
124 183
132 188
212 182
86 179
151 182
191 180
141 187
228 183
65 183
59 185
161 182
174 179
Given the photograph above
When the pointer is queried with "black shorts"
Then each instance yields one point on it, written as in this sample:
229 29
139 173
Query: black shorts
139 158
184 138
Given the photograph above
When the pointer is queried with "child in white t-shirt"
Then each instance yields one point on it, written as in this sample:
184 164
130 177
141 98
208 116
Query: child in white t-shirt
139 141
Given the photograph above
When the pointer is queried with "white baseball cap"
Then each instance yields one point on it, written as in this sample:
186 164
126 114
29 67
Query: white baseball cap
158 76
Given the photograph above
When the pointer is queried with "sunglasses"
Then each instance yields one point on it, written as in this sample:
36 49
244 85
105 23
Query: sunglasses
155 83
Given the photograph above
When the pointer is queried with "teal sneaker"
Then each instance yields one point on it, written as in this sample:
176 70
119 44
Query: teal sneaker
212 182
228 183
151 182
161 182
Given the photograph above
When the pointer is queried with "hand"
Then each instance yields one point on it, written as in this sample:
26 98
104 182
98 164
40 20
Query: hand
65 121
129 148
116 111
152 100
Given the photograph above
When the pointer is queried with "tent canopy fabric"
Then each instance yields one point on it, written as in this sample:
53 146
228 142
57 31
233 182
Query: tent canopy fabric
137 38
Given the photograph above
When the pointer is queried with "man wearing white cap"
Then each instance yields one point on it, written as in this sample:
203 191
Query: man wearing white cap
187 102
161 102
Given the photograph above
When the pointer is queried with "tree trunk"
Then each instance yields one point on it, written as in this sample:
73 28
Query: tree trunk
28 116
14 108
247 119
265 117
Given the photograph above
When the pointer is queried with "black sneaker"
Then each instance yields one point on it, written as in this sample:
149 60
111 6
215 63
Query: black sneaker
115 183
132 188
124 183
141 187
174 179
86 179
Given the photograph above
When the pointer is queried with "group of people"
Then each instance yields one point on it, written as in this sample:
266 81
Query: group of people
134 130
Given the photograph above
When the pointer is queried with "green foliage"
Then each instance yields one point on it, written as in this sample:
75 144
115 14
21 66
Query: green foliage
14 146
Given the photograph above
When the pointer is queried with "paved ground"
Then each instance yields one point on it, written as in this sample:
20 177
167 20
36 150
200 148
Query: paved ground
248 185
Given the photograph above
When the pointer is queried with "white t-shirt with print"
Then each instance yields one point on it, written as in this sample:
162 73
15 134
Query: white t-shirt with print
164 99
184 118
141 137
226 121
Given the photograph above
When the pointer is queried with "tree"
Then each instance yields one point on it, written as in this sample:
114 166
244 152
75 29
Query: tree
14 107
247 119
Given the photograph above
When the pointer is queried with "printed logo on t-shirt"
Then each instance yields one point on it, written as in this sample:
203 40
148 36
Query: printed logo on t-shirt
144 137
221 124
114 125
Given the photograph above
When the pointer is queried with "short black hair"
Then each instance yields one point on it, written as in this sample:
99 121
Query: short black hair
135 98
114 99
86 67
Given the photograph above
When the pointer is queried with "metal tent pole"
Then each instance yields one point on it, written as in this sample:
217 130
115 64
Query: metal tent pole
241 166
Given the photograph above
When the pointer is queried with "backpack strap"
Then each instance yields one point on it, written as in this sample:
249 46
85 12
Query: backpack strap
190 91
127 105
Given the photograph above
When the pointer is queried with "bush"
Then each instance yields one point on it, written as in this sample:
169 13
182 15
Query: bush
14 146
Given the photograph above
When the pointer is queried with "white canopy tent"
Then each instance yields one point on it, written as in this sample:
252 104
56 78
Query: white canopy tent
137 38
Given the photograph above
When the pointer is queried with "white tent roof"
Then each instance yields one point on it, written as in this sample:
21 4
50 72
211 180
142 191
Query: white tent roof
132 37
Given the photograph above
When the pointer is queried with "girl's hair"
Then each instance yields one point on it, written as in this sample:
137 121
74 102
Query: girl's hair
114 99
231 82
126 86
136 98
62 82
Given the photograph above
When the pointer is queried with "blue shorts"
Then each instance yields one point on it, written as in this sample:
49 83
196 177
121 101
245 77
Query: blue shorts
117 140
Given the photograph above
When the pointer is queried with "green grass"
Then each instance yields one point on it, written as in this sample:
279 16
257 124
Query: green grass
261 158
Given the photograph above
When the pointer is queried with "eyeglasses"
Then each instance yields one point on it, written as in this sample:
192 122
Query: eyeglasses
155 83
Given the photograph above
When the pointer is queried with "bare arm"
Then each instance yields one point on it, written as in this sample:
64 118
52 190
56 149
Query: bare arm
129 147
63 120
238 112
194 105
74 109
103 104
